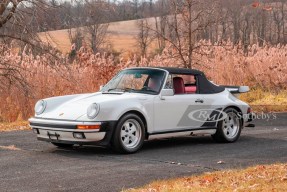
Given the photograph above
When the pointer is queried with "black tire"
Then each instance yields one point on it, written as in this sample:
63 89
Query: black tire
63 145
222 133
128 121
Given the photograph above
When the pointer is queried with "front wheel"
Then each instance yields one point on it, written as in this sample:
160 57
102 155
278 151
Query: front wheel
229 129
129 134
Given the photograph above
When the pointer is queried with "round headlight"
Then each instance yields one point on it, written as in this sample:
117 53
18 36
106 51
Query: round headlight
93 111
40 107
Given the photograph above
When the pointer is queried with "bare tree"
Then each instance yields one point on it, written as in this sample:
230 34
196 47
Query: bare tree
18 26
97 23
74 23
144 37
161 23
187 20
7 10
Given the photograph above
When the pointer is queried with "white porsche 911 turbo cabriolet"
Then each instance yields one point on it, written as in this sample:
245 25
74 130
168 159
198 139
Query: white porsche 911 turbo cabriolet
140 104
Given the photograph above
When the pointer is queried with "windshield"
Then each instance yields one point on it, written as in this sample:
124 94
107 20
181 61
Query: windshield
147 81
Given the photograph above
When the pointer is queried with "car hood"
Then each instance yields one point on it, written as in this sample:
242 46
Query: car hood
72 108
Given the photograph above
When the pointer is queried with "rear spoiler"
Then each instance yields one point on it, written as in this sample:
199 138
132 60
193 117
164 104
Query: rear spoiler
237 89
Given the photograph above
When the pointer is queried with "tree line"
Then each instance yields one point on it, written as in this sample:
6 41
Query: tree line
180 24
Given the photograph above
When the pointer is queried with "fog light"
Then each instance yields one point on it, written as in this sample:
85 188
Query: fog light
36 131
79 135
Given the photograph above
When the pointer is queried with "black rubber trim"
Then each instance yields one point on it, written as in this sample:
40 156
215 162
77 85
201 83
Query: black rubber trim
182 130
250 117
109 128
250 125
53 126
105 126
70 142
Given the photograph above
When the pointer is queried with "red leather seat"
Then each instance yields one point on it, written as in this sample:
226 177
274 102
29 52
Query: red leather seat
178 85
190 89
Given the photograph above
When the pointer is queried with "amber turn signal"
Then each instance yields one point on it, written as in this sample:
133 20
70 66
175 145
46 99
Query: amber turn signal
88 126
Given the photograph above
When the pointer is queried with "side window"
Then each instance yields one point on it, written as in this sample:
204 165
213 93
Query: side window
184 84
169 84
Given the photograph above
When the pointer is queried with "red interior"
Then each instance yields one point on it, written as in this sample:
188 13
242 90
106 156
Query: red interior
190 89
180 88
178 85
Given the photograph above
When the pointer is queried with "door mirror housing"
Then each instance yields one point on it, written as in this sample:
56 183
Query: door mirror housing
167 92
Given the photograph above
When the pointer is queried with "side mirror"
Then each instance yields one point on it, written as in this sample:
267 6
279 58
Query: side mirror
101 87
166 92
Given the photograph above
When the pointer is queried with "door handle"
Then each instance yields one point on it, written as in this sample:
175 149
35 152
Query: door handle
199 101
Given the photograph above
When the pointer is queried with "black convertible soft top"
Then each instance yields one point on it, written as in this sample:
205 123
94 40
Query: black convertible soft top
203 84
183 71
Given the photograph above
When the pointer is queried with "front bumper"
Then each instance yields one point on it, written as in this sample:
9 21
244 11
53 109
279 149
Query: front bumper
64 131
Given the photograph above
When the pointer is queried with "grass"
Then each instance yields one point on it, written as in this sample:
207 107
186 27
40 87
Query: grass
261 178
15 126
266 101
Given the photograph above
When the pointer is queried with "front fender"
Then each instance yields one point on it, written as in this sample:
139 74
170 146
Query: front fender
114 110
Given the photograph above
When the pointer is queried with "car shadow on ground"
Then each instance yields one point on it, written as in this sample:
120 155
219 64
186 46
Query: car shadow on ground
195 151
157 145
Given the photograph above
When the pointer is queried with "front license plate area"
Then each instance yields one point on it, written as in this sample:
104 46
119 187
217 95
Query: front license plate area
53 136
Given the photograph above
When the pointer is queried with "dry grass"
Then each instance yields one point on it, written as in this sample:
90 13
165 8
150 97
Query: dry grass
15 126
266 101
264 69
261 178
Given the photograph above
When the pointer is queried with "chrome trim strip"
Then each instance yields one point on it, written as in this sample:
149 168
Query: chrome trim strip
204 132
67 130
170 135
178 130
185 133
61 122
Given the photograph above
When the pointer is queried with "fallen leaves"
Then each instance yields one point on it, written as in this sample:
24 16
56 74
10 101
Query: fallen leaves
209 179
263 178
10 147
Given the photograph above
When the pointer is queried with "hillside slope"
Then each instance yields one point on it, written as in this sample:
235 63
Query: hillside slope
121 37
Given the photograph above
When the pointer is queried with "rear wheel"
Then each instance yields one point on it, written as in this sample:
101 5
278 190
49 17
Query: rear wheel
63 145
229 129
129 134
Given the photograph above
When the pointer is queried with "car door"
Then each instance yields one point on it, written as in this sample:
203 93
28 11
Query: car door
176 113
173 113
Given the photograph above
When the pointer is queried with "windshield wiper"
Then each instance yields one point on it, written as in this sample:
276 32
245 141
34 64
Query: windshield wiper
113 89
121 89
